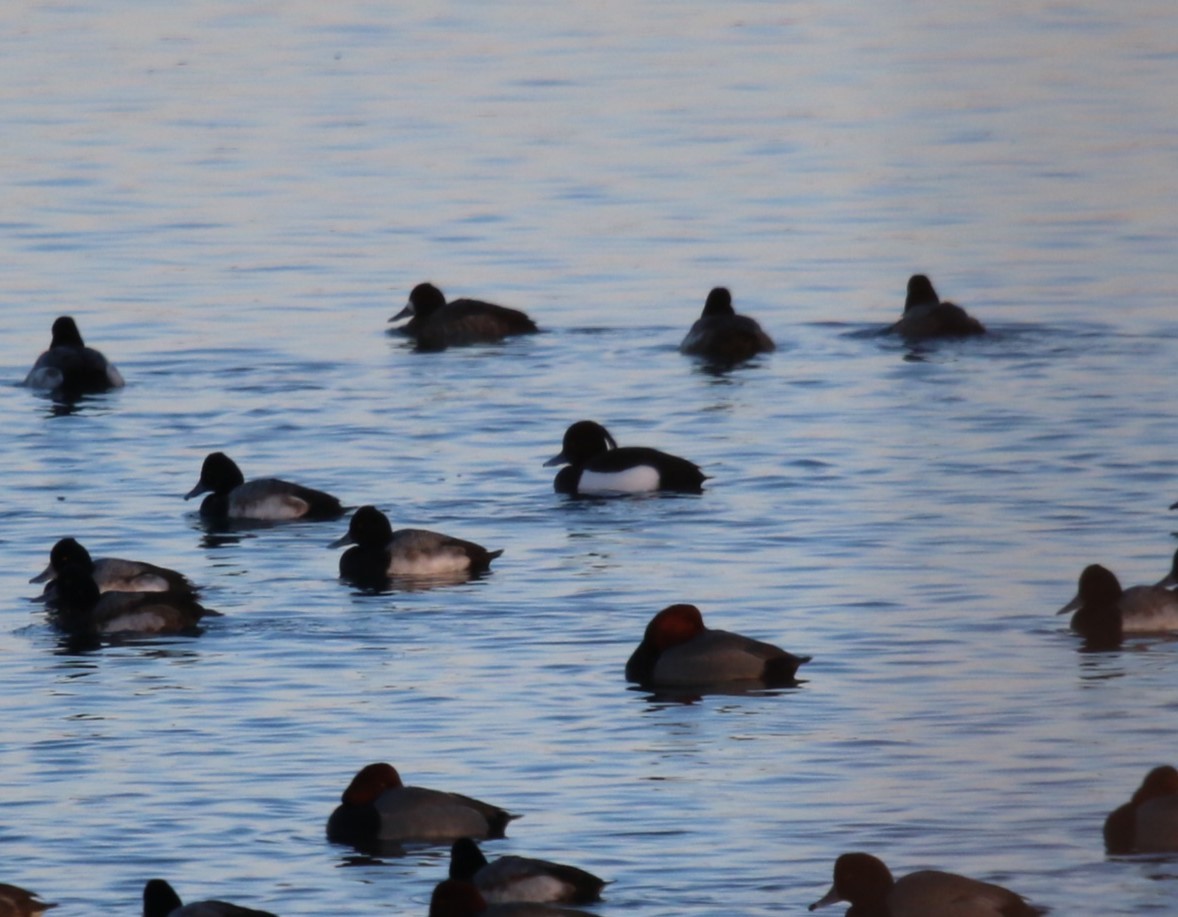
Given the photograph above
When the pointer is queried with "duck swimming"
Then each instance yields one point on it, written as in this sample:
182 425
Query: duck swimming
71 368
597 467
1104 611
81 609
515 878
1148 822
264 499
111 574
436 324
17 902
161 900
722 336
925 316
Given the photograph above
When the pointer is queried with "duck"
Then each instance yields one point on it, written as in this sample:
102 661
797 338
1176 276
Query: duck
378 807
436 324
82 609
70 367
230 496
516 878
380 552
678 650
597 467
867 885
161 900
461 898
111 574
722 336
18 902
925 316
1170 580
1147 823
1104 611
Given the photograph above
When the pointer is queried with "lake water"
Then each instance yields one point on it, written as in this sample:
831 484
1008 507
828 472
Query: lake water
232 200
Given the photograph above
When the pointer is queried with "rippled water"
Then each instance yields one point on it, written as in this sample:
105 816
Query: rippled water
232 201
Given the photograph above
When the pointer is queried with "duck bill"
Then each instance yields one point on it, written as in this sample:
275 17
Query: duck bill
342 541
44 576
407 312
831 897
557 459
1073 605
197 491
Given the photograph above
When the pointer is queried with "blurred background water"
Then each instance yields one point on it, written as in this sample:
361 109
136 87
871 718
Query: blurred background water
232 200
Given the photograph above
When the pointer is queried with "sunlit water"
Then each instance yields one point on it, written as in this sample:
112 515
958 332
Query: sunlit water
232 200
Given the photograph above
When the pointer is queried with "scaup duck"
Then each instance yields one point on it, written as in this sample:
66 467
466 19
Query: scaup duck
161 900
722 336
867 885
380 553
1147 823
460 898
70 367
265 499
377 807
17 902
925 316
436 324
677 650
82 609
111 574
598 467
515 878
1104 611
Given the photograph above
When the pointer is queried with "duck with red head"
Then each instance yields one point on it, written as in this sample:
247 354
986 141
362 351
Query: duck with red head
1147 823
18 902
678 650
460 898
867 885
377 807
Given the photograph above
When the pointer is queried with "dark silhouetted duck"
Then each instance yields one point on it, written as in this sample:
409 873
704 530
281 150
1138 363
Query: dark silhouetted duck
436 324
1147 823
460 898
377 807
597 467
380 553
264 499
1105 611
82 609
515 878
111 574
721 336
677 650
867 885
16 902
925 316
70 367
161 900
1170 580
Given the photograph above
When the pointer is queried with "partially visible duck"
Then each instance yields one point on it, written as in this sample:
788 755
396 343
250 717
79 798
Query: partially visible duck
460 898
1147 823
17 902
1105 611
722 336
1170 580
925 316
380 552
70 367
436 324
597 467
677 650
515 878
111 574
867 885
377 806
161 900
264 499
82 609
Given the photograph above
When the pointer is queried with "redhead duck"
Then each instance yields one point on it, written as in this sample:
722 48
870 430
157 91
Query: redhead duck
161 900
677 650
111 574
70 367
597 467
723 337
1105 611
460 898
1147 823
82 609
436 324
376 807
514 878
380 552
16 902
264 499
867 885
925 316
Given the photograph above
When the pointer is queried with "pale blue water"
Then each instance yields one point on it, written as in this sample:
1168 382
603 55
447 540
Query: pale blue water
233 201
